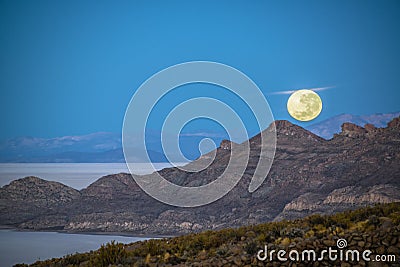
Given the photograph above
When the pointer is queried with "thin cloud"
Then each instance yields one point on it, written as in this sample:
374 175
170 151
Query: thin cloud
292 91
203 134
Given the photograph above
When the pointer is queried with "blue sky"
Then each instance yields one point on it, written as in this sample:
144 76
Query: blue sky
71 67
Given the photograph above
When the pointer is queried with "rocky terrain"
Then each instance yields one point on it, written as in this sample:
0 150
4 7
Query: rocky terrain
327 128
358 167
31 197
374 229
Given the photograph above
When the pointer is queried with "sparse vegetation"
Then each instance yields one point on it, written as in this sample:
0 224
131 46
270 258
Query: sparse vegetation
375 228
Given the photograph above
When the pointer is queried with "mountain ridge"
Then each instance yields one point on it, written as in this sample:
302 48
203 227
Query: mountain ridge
309 175
102 147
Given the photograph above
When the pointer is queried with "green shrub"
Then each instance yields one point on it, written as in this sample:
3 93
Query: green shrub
111 253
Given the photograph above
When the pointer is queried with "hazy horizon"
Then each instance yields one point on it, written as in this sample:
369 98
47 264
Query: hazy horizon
75 175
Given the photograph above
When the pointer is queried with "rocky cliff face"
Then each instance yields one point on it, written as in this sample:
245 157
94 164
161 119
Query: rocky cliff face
358 167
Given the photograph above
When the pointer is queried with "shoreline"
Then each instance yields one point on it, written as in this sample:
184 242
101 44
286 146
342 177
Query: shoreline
123 234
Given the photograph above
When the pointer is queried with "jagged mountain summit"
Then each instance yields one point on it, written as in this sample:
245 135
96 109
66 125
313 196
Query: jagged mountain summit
327 128
357 167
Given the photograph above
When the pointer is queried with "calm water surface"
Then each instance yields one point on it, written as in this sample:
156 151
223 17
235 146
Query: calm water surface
28 247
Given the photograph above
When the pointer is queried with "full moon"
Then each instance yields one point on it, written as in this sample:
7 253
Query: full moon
304 105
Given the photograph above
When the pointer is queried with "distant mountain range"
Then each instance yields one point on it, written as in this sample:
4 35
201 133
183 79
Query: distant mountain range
357 167
106 147
97 148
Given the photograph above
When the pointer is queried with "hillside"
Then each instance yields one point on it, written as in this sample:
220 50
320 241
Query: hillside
376 229
358 167
31 197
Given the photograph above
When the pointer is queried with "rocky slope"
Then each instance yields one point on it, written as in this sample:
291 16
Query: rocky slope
375 229
31 197
358 167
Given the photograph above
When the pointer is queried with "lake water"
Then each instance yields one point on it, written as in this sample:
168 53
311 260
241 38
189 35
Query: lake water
76 175
28 247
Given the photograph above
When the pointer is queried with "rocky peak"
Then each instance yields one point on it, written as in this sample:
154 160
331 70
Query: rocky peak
352 130
371 131
283 124
29 180
110 186
285 128
225 144
369 127
395 123
38 190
